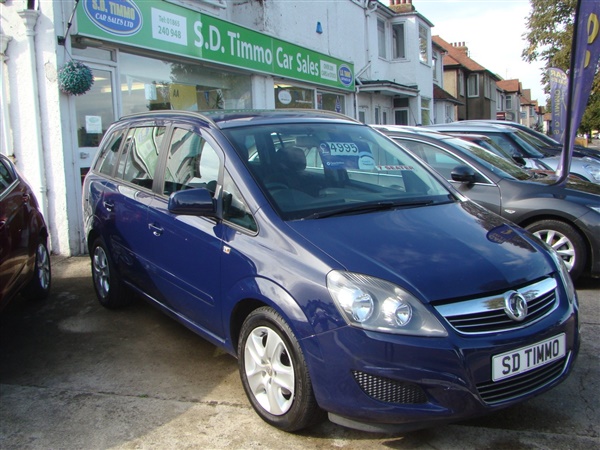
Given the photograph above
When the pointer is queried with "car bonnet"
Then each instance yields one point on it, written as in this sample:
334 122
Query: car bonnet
437 252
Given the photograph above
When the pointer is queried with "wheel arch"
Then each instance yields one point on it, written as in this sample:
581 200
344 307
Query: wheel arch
254 293
588 246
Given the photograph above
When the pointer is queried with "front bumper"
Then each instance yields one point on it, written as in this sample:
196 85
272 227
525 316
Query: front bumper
381 382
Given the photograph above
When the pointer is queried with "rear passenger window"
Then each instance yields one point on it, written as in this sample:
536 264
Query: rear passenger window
140 155
108 154
192 163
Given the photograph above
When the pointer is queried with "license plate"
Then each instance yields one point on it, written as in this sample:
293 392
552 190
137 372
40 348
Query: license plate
524 359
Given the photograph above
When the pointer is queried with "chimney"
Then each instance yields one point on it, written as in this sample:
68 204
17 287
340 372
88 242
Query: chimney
401 6
461 46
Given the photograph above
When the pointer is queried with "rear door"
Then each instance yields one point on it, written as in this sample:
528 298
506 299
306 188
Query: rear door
125 202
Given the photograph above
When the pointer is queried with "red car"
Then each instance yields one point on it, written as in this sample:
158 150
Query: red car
24 257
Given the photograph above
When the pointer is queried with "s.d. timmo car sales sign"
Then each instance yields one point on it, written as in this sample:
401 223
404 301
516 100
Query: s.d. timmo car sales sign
177 30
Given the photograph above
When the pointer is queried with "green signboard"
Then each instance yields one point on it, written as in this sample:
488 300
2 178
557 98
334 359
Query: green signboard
166 27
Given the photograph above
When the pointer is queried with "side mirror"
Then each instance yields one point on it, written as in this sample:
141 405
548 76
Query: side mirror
519 160
192 202
463 174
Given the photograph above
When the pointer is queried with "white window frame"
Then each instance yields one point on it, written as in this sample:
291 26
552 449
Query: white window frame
398 37
381 40
426 110
473 88
424 44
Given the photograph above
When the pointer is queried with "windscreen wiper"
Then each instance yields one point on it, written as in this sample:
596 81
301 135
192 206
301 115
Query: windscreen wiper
369 207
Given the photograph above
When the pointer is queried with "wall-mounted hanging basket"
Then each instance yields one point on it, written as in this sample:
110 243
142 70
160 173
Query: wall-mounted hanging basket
75 78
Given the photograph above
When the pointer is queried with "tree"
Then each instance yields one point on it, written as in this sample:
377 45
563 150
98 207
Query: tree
550 24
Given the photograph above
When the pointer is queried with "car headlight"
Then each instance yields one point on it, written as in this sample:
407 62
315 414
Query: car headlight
593 170
377 305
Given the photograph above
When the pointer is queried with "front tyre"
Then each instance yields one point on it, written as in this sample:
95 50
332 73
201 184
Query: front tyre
274 372
39 286
107 283
567 242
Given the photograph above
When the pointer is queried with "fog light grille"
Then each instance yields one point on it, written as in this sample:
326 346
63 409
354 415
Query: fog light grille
388 390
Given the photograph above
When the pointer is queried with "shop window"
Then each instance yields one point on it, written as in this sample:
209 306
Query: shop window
150 84
288 96
331 102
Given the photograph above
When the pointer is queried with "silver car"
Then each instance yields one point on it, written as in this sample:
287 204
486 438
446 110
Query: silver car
517 143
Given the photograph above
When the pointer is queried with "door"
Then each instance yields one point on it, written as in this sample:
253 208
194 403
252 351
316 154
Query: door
94 112
185 252
483 191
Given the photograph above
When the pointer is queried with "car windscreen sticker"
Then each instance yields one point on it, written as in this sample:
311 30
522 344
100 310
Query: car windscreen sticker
346 155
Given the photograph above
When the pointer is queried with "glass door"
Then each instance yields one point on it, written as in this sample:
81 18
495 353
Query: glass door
94 112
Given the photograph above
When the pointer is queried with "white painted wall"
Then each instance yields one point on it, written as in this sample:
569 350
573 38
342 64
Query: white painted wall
32 96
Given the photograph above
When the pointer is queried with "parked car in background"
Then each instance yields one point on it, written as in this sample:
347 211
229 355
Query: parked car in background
566 217
317 251
517 143
532 164
550 146
24 257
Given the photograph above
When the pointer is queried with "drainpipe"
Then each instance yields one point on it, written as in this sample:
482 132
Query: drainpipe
5 144
30 17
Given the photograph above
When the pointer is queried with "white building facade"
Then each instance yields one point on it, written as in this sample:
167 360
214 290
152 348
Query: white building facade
357 57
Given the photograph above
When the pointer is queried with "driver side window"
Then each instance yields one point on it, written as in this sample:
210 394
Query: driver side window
192 163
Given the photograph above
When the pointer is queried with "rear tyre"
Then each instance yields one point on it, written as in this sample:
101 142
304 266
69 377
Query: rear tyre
567 242
274 372
107 283
38 287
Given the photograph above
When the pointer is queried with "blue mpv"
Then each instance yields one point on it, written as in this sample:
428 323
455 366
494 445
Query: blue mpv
347 278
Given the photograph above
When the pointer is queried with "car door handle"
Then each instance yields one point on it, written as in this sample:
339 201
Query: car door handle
108 205
156 230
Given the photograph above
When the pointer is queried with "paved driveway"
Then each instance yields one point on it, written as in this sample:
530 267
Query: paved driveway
76 376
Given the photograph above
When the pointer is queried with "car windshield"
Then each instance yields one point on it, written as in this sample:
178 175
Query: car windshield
497 164
313 170
531 145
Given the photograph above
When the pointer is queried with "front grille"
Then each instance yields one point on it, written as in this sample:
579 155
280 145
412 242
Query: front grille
523 384
388 390
488 315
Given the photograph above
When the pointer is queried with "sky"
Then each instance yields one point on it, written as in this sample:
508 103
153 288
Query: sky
493 32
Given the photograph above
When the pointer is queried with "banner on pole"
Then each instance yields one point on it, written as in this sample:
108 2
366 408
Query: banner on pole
559 85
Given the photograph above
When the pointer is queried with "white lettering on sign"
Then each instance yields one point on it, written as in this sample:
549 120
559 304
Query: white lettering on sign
306 65
169 27
328 71
248 50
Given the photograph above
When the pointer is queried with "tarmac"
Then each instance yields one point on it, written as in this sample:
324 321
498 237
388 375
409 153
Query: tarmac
74 375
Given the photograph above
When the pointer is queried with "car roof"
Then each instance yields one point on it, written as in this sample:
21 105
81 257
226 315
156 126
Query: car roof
482 127
408 130
222 118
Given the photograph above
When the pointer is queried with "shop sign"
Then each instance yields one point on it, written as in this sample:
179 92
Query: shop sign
176 30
